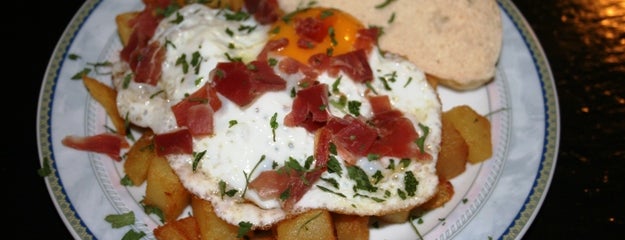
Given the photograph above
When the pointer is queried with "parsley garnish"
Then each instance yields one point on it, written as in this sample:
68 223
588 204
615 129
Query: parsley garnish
410 183
334 166
121 220
133 235
196 159
273 123
360 177
421 140
354 107
222 190
244 228
247 176
384 4
325 189
232 123
126 181
45 170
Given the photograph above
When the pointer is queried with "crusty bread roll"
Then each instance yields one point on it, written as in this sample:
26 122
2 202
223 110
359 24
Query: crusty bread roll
456 41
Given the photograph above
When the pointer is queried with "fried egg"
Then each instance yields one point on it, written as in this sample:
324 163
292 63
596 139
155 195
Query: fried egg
246 143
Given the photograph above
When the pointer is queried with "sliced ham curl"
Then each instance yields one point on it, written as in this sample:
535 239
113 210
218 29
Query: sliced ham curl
179 141
290 185
105 143
310 108
242 83
196 111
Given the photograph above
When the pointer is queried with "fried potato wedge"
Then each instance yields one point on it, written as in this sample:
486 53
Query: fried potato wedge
475 129
211 226
181 229
139 157
164 190
107 97
314 224
124 28
351 227
444 193
452 158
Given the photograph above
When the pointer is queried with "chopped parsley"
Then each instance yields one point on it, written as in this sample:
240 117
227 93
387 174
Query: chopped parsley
410 183
273 123
196 159
421 140
244 228
360 177
45 169
120 220
247 176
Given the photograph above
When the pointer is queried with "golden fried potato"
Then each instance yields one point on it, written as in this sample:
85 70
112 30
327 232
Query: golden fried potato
211 226
124 28
475 129
351 227
444 193
107 97
314 224
181 229
139 157
164 190
398 217
452 157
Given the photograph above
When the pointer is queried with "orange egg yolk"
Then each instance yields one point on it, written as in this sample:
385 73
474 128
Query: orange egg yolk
316 30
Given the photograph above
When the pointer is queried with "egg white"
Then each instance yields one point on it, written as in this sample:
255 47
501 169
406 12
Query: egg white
233 153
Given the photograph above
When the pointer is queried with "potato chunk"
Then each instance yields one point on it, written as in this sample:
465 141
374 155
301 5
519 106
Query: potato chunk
211 226
475 129
165 191
139 158
452 158
351 227
314 224
181 229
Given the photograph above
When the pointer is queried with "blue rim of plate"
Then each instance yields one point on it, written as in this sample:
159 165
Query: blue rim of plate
515 229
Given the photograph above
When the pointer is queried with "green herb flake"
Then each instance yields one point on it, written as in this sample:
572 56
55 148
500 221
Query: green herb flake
78 76
377 176
401 194
231 123
179 18
335 84
247 176
354 107
360 177
120 220
421 140
410 183
73 56
411 220
332 36
126 81
182 60
331 181
45 169
149 209
405 162
408 82
244 228
273 123
196 159
222 190
126 181
384 4
133 235
286 194
325 189
334 166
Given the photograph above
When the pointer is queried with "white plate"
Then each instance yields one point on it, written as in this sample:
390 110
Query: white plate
503 194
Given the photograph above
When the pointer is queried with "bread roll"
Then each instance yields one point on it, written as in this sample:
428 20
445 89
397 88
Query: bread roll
456 41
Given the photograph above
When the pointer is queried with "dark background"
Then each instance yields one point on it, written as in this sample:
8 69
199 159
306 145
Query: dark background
583 40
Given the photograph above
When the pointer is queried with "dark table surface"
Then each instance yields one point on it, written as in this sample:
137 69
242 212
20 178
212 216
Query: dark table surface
584 41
